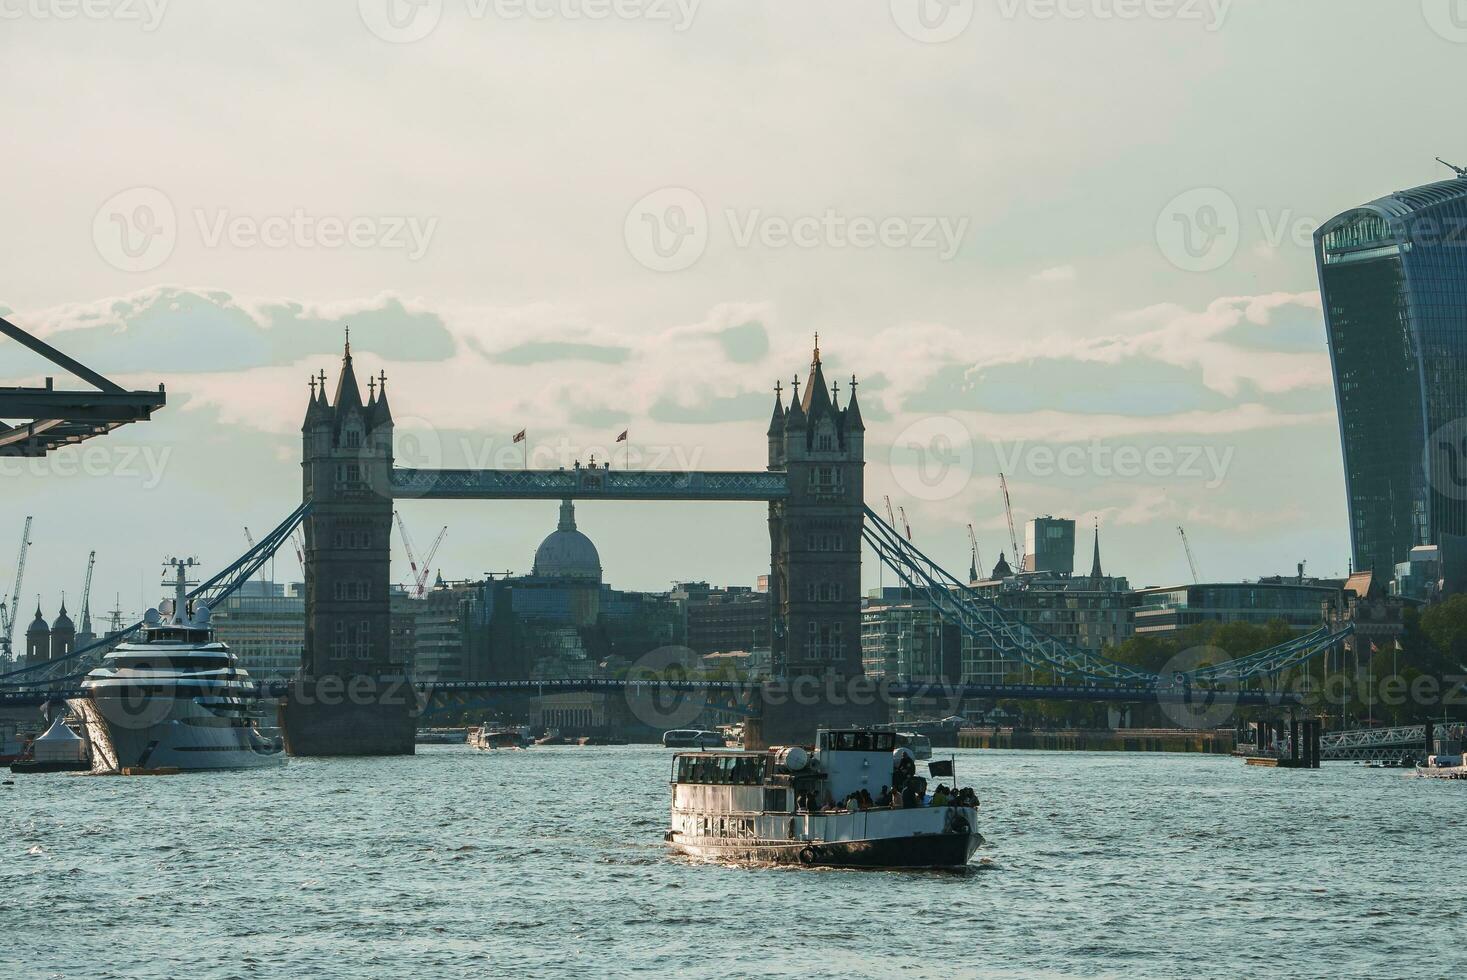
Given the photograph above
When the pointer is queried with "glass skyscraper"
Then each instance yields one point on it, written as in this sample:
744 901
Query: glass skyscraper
1393 274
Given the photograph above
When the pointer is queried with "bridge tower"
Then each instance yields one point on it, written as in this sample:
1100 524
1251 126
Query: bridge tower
815 533
346 468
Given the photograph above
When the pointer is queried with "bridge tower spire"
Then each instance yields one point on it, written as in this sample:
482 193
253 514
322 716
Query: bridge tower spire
346 470
815 534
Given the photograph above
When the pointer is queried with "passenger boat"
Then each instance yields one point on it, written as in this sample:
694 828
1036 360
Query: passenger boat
692 738
499 737
790 805
174 697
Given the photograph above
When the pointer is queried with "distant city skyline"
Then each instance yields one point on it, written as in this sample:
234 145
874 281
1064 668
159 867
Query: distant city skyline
1065 268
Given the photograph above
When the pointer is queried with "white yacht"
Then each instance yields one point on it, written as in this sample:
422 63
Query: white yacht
692 738
173 697
834 806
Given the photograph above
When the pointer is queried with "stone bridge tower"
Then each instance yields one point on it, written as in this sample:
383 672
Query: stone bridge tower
815 533
346 470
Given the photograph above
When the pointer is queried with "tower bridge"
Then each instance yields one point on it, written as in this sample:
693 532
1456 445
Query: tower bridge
813 489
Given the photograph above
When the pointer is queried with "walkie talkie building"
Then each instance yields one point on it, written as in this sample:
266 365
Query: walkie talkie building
1393 275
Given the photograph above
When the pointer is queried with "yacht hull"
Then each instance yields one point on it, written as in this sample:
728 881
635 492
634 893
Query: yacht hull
171 733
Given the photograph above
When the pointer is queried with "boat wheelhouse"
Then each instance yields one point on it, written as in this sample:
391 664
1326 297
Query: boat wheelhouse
855 800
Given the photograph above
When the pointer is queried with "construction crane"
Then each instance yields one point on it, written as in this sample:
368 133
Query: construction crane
13 608
1008 509
428 561
86 602
975 572
890 514
1191 562
419 575
905 526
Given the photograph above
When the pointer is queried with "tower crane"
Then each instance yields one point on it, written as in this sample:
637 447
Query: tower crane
419 575
86 602
1191 562
890 514
1008 509
905 526
975 571
13 608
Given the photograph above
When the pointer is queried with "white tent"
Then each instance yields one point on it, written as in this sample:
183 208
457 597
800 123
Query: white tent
59 744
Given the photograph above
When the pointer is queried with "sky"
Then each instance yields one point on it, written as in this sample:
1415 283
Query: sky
1065 239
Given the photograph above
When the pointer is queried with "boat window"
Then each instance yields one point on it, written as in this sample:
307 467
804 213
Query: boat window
721 770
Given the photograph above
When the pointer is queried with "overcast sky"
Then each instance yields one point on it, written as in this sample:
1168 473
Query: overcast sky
1068 239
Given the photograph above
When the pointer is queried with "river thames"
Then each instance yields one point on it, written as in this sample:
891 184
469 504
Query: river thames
550 862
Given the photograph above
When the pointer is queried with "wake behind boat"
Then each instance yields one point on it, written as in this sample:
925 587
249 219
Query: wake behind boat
174 697
855 801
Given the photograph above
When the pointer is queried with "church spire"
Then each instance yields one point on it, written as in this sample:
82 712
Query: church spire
1095 572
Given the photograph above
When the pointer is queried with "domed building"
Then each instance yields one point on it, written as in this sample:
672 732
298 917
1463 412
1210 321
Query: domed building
569 560
37 639
567 553
63 634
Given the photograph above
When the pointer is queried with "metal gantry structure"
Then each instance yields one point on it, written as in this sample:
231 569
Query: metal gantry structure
35 421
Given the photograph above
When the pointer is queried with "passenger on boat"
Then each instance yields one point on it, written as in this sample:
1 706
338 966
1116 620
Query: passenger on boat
939 796
885 797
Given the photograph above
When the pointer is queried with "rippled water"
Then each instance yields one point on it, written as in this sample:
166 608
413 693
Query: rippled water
550 862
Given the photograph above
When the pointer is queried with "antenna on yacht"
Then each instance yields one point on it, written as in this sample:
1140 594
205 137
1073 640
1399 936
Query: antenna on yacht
180 583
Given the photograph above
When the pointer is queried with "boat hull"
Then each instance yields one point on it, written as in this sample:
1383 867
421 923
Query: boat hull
171 733
951 850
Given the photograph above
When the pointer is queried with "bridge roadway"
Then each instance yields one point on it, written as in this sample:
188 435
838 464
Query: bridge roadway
587 483
1021 692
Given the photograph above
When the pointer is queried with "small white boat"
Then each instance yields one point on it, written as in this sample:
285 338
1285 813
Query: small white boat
692 738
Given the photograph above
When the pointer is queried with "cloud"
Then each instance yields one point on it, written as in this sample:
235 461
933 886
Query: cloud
1060 273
